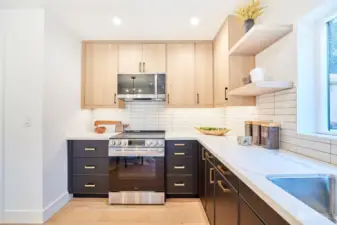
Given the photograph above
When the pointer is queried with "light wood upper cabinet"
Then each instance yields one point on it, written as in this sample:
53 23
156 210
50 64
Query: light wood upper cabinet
130 58
154 58
180 75
221 73
204 74
229 70
99 78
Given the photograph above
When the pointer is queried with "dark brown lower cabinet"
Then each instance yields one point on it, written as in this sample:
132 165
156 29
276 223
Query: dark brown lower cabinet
226 202
209 189
247 216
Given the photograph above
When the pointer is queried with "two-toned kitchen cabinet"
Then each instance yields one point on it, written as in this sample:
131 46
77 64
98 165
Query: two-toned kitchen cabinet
99 75
141 58
189 81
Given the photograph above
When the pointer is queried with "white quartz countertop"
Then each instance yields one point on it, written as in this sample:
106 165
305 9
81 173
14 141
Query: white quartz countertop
251 165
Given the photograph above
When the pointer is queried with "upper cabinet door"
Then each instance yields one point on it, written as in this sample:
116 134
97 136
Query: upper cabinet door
221 68
130 58
180 75
204 74
154 58
99 75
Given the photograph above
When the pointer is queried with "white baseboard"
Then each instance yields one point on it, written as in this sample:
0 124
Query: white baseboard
23 217
55 206
36 216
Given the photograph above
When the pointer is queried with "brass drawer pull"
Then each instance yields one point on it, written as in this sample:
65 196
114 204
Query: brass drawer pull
179 167
225 190
203 154
179 184
89 149
208 155
226 173
179 145
179 153
211 178
89 167
90 185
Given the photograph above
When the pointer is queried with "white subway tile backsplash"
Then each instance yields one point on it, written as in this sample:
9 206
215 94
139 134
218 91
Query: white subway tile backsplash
322 156
289 125
334 149
285 97
287 104
155 115
334 159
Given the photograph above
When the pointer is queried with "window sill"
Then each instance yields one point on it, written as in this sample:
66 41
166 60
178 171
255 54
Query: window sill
325 135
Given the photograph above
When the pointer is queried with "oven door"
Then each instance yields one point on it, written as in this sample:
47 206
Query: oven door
137 173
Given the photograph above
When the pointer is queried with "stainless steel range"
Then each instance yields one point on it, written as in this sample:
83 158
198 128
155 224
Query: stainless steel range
137 168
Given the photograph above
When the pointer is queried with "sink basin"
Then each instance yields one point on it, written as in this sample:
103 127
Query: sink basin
317 191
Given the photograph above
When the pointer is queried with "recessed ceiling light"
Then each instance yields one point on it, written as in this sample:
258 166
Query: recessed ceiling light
117 21
194 21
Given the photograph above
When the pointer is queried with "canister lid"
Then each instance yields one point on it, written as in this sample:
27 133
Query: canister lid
248 122
256 122
271 124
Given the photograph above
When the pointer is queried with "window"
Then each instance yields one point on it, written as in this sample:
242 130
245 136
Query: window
332 73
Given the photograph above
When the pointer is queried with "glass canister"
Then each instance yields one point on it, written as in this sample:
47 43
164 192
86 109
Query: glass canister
256 132
270 135
248 128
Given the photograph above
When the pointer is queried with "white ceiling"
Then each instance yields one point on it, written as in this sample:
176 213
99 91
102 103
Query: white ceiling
141 19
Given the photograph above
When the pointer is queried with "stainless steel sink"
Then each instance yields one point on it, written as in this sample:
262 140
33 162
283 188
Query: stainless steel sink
317 191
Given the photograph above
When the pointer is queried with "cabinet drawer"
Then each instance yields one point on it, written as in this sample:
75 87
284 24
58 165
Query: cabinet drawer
181 148
91 184
264 211
91 166
90 148
183 184
225 172
181 165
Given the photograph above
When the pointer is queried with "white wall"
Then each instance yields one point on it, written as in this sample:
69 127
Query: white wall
2 57
61 110
280 60
23 100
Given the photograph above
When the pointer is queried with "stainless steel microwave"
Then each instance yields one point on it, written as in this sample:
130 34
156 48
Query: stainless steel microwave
149 87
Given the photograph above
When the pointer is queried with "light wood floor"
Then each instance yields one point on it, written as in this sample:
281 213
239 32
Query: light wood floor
98 212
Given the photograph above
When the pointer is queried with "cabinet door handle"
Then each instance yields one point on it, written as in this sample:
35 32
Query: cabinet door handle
226 99
140 67
225 190
179 145
89 167
89 149
144 67
90 185
179 184
203 154
168 98
197 98
115 98
208 155
226 173
179 153
179 167
211 178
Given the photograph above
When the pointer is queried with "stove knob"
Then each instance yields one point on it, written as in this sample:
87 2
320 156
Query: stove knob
148 143
118 142
160 143
154 143
125 143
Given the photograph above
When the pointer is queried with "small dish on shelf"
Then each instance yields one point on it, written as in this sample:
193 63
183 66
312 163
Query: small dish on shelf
213 131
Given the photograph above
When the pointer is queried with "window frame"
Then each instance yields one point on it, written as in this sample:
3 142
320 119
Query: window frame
323 107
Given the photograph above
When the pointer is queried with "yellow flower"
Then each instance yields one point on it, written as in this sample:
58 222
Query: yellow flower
251 11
